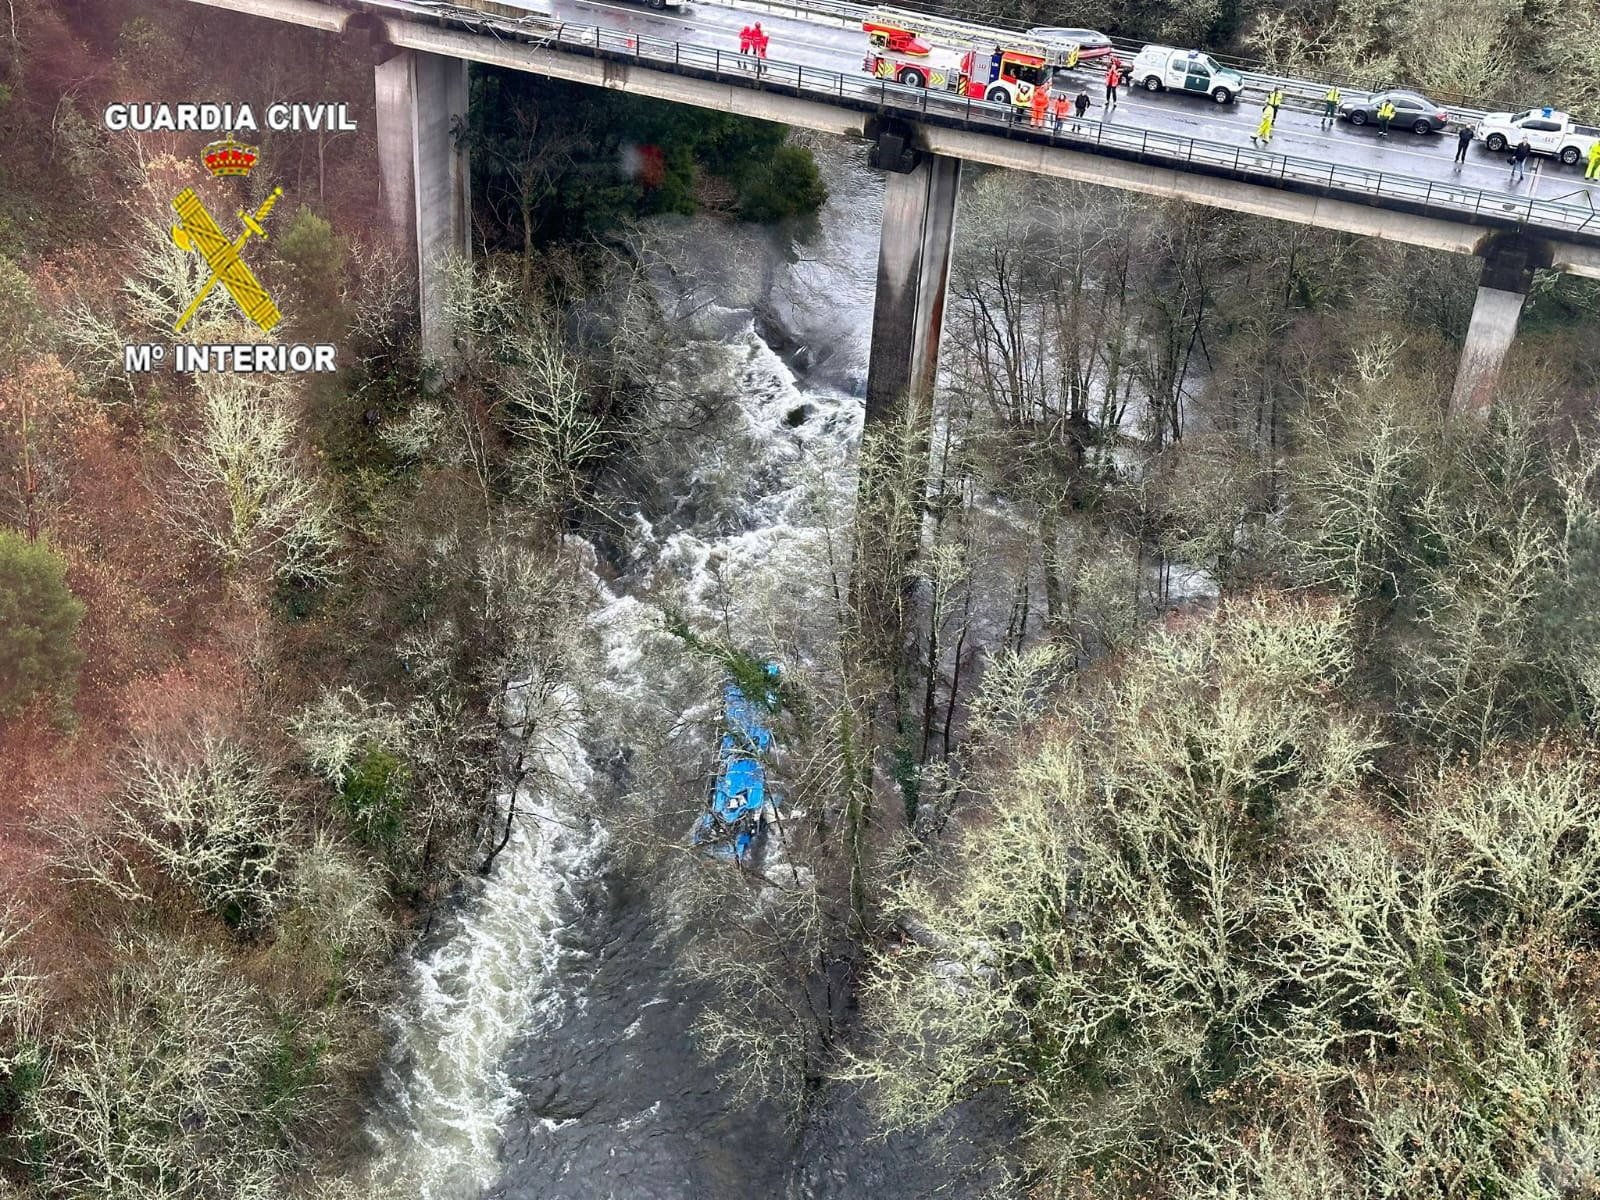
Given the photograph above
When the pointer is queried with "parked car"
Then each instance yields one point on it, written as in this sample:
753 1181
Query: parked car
1091 42
1548 132
1412 110
1157 68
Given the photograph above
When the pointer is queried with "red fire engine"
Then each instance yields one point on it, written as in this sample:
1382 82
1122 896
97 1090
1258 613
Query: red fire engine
917 51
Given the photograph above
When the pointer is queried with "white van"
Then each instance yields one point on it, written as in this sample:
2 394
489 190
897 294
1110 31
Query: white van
1157 68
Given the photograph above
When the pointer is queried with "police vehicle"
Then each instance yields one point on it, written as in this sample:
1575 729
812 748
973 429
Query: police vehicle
1162 68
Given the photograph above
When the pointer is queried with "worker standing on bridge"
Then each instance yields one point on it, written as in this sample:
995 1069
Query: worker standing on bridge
1113 74
1385 115
1263 133
1330 106
1079 107
1038 105
744 40
1593 170
758 41
1275 100
1463 140
1061 107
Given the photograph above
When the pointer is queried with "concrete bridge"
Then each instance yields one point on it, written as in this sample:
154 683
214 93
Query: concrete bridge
1169 148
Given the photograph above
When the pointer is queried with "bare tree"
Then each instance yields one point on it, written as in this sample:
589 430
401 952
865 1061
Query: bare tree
240 488
550 411
214 820
156 1092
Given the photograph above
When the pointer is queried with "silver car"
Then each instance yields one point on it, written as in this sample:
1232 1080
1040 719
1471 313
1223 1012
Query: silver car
1091 42
1412 110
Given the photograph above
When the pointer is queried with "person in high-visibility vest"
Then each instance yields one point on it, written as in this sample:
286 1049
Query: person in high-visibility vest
1275 99
1263 133
1593 171
1386 112
1039 104
1330 106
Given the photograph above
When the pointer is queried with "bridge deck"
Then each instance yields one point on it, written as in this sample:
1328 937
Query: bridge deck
1449 214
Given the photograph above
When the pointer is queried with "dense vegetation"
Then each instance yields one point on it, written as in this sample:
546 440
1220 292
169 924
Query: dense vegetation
267 641
562 164
1192 735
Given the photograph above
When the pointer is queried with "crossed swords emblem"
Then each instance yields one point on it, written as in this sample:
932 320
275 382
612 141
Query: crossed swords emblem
197 230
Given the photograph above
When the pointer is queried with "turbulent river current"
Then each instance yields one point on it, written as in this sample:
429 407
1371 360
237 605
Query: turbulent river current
545 1051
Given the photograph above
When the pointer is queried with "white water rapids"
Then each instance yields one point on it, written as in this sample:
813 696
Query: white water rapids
494 981
478 991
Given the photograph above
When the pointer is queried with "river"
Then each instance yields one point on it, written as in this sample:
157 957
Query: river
544 1050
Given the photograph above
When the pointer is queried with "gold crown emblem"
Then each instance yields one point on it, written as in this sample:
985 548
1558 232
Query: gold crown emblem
229 157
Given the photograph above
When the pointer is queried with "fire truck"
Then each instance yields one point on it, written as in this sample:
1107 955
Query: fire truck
920 51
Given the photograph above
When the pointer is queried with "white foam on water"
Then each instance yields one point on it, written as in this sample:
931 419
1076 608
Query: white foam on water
484 987
495 979
797 483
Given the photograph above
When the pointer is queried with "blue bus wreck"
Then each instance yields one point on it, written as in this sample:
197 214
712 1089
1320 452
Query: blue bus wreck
741 806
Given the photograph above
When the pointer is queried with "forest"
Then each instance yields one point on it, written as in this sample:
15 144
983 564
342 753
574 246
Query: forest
1189 728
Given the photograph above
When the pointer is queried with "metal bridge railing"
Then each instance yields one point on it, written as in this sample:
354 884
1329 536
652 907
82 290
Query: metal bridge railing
1573 213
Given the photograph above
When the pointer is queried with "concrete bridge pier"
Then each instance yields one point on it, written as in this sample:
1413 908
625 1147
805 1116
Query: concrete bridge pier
1508 266
919 225
914 249
424 181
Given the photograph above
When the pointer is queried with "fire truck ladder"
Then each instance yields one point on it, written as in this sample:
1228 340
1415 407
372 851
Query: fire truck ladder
935 31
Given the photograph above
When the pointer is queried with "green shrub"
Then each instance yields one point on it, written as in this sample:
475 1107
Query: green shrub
39 617
314 258
787 184
373 795
294 1067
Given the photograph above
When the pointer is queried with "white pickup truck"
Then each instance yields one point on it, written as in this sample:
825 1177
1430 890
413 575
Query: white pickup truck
1548 132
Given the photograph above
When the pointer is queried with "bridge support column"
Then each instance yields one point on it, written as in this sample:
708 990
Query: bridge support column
1503 287
919 217
919 224
423 174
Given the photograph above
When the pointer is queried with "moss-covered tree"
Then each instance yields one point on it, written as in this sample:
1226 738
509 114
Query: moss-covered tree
39 617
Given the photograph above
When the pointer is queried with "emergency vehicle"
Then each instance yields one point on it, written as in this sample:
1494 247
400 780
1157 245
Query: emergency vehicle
1158 68
1546 130
920 51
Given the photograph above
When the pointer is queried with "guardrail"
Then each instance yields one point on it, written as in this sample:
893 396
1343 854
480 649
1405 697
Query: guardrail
1454 201
1571 215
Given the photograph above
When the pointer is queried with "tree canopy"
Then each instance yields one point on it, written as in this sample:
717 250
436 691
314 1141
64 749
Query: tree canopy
1209 960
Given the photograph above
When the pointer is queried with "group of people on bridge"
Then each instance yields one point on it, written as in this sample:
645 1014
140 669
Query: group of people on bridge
753 41
1058 106
1044 104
